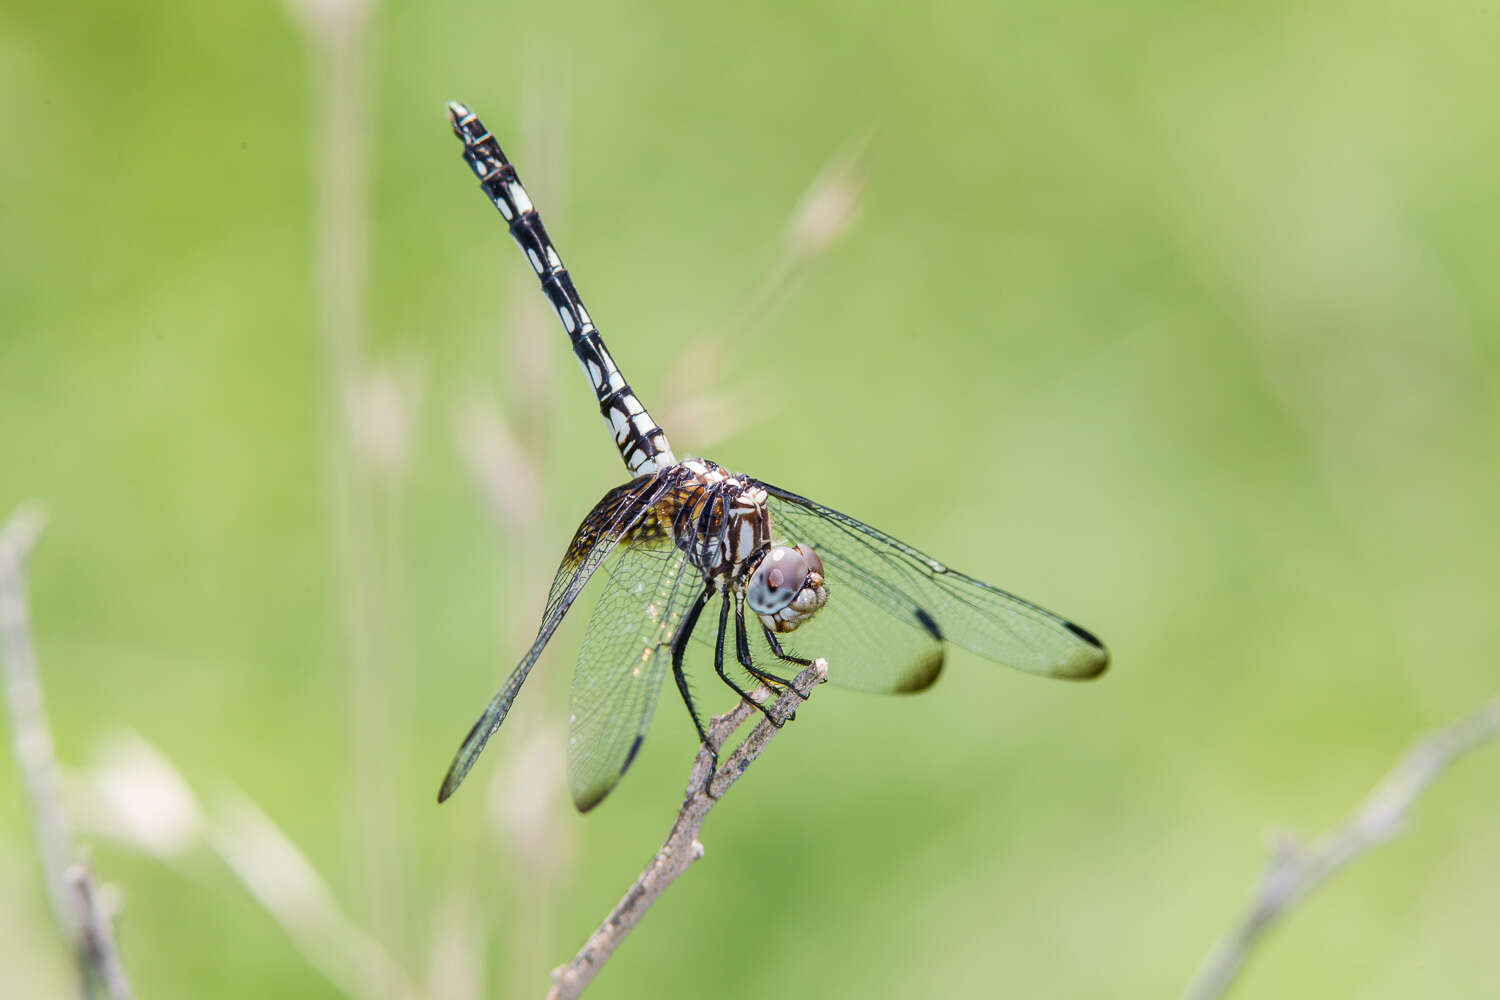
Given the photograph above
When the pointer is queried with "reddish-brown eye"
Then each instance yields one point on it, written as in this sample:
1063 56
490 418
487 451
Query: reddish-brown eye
814 564
777 579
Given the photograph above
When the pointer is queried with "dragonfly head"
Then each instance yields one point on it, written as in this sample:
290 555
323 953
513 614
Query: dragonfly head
786 588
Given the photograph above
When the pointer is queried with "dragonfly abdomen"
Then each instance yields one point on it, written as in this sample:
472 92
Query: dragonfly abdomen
641 441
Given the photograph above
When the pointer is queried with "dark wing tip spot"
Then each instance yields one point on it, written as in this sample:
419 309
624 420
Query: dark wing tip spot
1092 664
924 674
590 798
635 748
1095 669
931 627
1085 635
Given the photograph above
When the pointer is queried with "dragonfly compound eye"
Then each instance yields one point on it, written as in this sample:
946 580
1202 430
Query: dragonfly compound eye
777 579
814 564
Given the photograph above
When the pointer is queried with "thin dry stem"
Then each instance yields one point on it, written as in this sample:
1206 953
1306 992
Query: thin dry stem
1295 870
279 876
827 211
137 795
682 847
96 941
367 425
31 736
71 891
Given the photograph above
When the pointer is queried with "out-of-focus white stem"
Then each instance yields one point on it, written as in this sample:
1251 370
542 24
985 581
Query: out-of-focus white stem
30 735
70 888
1296 869
96 939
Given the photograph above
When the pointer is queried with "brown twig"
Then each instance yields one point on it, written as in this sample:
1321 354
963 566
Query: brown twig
682 847
1295 870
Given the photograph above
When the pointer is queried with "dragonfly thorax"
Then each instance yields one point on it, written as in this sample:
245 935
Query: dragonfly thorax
724 527
721 523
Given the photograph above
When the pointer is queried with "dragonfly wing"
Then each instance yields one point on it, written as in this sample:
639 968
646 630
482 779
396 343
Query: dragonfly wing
884 578
624 656
615 515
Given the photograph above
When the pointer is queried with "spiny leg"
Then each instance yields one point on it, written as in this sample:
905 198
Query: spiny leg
679 646
783 655
780 653
742 652
742 641
719 662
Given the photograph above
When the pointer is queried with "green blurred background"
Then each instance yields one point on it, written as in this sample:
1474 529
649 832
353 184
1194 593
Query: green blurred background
1178 319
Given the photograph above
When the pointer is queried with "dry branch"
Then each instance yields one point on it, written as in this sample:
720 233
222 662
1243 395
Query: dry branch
682 847
1296 869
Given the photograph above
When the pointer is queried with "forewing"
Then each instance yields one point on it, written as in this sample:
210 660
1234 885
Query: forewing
884 578
625 654
615 515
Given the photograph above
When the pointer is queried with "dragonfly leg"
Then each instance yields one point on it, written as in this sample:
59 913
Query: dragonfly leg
719 662
742 650
742 640
782 654
679 646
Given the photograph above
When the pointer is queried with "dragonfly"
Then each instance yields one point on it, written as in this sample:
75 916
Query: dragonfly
685 540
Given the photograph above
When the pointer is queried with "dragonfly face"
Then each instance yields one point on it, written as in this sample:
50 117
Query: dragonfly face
786 589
